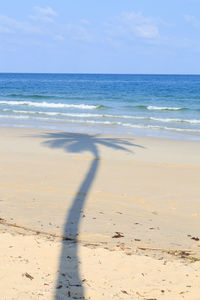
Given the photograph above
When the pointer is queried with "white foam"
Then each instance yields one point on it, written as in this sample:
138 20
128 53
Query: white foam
161 128
104 123
14 117
86 115
135 125
53 113
50 105
163 108
168 120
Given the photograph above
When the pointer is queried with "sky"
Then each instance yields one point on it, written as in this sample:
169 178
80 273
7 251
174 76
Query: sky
107 36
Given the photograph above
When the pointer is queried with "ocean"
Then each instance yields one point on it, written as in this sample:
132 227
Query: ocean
165 106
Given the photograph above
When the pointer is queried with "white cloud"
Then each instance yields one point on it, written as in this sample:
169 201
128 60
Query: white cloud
4 29
47 11
130 26
192 20
139 25
29 32
44 14
146 31
80 33
59 37
11 25
84 21
77 32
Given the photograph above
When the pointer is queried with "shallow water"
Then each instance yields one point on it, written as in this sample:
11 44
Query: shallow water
153 105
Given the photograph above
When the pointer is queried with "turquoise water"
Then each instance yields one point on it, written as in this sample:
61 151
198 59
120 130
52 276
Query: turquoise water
153 105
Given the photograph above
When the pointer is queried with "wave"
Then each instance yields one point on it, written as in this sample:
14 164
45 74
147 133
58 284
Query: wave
151 107
14 117
54 113
83 106
87 115
168 120
137 106
78 115
165 108
50 113
51 105
136 126
30 118
162 128
33 96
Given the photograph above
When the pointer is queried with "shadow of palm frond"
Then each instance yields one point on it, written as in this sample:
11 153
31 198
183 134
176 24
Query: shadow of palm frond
69 283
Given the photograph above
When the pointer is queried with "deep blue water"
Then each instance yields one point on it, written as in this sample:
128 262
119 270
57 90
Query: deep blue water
154 105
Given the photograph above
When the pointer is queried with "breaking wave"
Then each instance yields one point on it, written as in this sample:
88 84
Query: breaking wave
51 105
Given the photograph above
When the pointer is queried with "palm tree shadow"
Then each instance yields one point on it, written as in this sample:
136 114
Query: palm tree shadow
69 282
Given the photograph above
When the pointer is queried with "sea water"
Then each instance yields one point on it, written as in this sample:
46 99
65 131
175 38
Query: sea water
148 105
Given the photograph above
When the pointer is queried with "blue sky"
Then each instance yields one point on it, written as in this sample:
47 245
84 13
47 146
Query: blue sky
88 36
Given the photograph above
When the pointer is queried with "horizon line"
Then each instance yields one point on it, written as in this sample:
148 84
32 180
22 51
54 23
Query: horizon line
82 73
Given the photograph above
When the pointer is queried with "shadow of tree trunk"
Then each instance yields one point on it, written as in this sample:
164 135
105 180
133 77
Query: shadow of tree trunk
69 283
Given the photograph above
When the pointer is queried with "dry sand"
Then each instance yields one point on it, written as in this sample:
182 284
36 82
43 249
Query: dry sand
115 197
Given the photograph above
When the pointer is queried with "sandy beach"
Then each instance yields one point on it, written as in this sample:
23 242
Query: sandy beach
88 216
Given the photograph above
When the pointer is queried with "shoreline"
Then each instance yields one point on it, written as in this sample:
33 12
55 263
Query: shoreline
126 134
120 197
115 130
